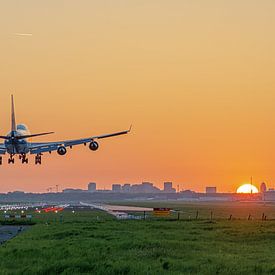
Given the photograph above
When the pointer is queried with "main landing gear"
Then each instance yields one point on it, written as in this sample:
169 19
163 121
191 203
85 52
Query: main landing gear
24 159
11 160
38 159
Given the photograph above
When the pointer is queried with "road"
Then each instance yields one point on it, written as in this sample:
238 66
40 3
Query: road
8 232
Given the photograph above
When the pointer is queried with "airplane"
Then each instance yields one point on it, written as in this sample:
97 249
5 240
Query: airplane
16 142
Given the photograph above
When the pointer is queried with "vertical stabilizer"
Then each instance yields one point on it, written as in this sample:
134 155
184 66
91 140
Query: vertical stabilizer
13 123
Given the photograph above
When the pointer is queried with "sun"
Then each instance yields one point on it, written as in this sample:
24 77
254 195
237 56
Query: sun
248 189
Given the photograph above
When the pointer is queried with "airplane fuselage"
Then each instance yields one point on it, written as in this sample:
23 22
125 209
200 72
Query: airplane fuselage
17 146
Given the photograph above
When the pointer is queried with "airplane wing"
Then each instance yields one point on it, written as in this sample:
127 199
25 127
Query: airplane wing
2 149
38 148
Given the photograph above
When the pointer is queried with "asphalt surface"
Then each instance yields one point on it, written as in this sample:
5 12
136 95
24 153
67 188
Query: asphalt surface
8 232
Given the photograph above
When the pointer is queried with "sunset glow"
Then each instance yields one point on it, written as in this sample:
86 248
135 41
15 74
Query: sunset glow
247 189
195 78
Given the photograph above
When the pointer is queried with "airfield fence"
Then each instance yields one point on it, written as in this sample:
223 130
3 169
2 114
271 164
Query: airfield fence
186 212
181 216
212 210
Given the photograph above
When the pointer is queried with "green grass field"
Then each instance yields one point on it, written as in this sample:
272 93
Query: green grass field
94 242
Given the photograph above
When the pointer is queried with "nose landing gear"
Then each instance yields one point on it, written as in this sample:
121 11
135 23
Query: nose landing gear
38 159
1 160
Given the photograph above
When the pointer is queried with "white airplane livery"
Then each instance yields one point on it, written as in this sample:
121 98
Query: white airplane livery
16 142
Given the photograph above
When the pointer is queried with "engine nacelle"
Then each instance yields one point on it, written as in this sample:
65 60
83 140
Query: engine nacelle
93 146
61 150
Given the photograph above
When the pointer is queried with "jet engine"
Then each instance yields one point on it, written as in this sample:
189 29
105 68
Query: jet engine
93 146
62 150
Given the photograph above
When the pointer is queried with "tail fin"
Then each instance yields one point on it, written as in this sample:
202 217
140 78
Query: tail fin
13 122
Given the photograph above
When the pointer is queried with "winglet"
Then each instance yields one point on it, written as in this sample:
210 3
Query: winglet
130 128
13 122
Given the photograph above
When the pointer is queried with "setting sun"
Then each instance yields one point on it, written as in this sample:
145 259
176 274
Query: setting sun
247 188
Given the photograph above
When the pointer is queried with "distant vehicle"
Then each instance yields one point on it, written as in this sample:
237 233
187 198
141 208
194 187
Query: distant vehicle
16 142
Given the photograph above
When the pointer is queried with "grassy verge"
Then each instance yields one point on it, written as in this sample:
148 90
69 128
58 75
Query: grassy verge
93 242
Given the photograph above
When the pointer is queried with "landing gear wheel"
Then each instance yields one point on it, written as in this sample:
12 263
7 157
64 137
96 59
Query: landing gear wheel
11 160
1 160
38 159
24 159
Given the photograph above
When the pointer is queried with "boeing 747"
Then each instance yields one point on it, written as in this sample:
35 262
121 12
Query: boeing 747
16 142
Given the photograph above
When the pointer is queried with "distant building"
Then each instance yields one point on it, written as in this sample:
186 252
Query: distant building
72 190
92 187
263 187
116 187
269 195
145 187
188 194
211 190
168 187
17 192
148 187
126 188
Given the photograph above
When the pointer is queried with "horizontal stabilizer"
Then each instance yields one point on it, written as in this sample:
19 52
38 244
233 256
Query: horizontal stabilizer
34 135
4 137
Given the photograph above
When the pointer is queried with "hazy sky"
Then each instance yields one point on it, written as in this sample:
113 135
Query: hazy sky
196 79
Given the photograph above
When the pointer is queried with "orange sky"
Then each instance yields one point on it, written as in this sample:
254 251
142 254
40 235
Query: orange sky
196 79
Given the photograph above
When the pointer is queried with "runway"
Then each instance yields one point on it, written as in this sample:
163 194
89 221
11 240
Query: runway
119 211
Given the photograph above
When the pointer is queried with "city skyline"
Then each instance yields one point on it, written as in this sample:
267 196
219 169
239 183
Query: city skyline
166 186
194 78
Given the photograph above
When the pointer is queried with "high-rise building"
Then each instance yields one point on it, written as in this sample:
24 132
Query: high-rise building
144 187
147 187
263 187
116 187
168 187
211 190
92 187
